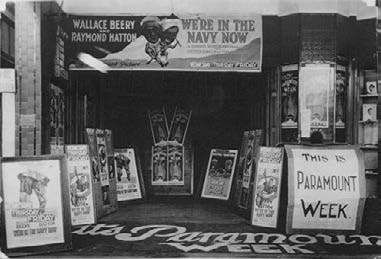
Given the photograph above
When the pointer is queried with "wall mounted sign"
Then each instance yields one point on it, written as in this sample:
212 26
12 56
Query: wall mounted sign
268 178
230 43
326 188
35 195
219 174
80 185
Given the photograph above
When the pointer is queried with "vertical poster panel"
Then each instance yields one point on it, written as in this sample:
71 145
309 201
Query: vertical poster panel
325 185
33 203
92 142
253 142
110 154
159 125
81 189
219 175
159 165
175 165
128 182
268 179
289 92
57 113
102 166
179 126
341 93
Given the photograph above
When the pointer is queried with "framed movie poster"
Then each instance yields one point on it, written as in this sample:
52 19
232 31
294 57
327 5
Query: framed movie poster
128 177
267 184
175 165
289 92
219 174
179 126
110 154
34 212
371 87
82 205
159 165
159 125
316 93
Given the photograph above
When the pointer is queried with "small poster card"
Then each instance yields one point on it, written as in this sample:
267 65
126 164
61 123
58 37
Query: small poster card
175 165
128 182
179 126
159 165
371 87
81 190
219 174
110 154
369 112
159 126
267 187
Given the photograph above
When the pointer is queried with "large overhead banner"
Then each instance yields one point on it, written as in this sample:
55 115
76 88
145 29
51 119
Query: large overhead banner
179 43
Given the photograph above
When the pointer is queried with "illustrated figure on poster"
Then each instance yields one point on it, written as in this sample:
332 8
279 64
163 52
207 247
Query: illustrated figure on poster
79 188
289 99
160 36
123 167
95 169
33 181
175 165
340 93
105 194
266 190
102 155
161 133
212 169
111 167
159 165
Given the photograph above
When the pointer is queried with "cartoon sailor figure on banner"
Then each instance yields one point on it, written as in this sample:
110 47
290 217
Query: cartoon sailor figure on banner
160 36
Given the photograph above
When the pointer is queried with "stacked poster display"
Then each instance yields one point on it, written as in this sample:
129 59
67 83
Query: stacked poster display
104 189
244 182
171 173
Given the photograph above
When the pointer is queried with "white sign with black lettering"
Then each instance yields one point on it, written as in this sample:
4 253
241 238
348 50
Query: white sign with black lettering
325 187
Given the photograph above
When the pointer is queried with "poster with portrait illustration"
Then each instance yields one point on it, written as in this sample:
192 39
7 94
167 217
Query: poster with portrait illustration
289 93
188 42
103 165
34 209
80 185
179 126
159 125
93 153
268 178
341 93
175 165
110 153
159 165
57 113
219 174
127 175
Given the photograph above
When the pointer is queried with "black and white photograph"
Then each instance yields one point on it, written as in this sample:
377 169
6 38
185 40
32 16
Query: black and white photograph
190 129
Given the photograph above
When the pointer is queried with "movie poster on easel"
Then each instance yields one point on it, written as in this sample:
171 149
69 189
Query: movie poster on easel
159 125
265 207
219 175
81 190
128 182
175 165
92 143
102 166
159 165
179 126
